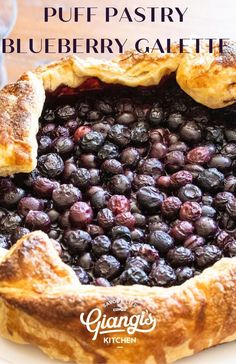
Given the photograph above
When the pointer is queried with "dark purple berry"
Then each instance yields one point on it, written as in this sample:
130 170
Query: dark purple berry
162 241
107 267
180 256
37 220
206 227
78 241
50 165
81 214
150 199
207 255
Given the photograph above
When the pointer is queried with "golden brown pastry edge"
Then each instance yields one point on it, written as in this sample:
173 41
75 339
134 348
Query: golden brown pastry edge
41 302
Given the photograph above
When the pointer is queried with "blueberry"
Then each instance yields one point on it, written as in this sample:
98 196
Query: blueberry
150 199
129 157
37 220
44 144
230 248
50 165
107 267
82 275
190 210
222 199
145 251
80 178
83 109
155 115
230 184
214 134
142 180
206 226
120 232
194 241
158 150
126 118
92 142
139 133
120 135
207 255
85 261
137 262
112 166
162 275
108 151
208 211
181 230
66 112
180 179
99 199
121 249
48 115
105 218
150 166
183 274
190 132
104 106
210 179
66 195
175 120
221 162
137 235
88 161
10 197
229 150
230 135
93 115
190 192
81 214
102 282
133 275
78 241
63 145
43 187
101 245
231 207
170 206
162 241
9 223
119 184
94 230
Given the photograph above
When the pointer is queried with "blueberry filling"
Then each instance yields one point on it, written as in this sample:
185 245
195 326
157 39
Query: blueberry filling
136 185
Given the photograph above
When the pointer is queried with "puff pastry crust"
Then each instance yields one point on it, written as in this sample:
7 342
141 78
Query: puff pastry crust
20 108
41 302
40 297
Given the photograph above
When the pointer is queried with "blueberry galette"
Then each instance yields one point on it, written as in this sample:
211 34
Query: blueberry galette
119 185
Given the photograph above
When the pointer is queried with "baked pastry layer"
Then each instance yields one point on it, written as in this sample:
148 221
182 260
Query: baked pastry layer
20 108
41 303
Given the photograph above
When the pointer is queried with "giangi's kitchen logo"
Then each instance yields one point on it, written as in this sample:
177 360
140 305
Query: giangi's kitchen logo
110 326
